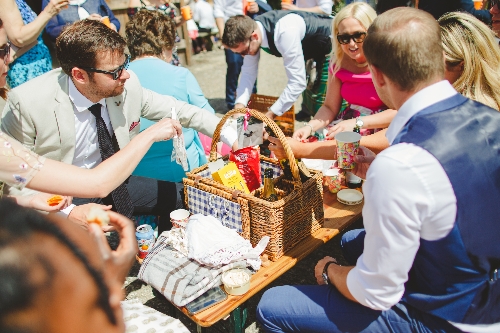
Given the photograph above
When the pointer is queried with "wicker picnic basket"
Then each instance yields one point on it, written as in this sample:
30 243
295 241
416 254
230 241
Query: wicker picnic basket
286 121
297 214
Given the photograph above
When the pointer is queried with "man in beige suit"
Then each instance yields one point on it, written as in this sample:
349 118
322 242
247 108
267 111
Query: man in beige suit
50 114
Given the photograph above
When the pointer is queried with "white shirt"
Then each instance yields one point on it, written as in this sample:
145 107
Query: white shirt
227 8
288 34
408 196
325 5
87 153
203 14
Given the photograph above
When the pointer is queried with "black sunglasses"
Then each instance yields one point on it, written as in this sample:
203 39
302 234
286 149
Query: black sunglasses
5 52
357 37
116 73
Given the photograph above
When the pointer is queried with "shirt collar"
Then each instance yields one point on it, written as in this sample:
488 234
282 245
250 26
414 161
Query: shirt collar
265 42
80 102
428 96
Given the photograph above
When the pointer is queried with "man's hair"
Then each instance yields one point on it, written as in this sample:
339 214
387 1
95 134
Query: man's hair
79 44
3 90
363 13
237 30
405 44
467 39
150 33
20 260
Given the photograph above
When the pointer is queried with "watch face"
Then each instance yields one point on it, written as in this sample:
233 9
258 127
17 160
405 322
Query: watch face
359 122
325 278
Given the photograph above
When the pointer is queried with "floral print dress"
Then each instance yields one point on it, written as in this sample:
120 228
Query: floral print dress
36 61
18 164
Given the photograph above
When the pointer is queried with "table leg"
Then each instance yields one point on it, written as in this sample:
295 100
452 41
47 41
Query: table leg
201 329
238 318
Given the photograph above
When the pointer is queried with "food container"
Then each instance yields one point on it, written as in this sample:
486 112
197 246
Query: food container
236 281
350 197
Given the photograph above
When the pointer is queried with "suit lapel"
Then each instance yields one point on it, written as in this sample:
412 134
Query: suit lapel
65 121
118 119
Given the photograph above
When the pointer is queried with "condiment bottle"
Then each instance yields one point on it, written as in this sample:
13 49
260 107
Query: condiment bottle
269 193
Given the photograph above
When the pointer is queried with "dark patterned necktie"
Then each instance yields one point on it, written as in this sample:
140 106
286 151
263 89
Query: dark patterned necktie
121 198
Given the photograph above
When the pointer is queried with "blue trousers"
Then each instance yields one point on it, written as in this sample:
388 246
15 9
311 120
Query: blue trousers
234 62
323 309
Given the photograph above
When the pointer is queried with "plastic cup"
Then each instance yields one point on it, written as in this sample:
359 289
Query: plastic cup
106 21
332 180
347 144
478 4
186 13
249 3
179 218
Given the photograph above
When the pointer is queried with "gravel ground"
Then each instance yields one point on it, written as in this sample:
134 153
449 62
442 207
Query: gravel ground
210 70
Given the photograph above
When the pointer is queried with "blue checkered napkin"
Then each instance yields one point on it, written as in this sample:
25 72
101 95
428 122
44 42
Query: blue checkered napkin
277 171
228 212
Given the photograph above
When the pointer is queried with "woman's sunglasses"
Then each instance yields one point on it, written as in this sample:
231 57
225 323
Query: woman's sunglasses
116 73
5 52
357 37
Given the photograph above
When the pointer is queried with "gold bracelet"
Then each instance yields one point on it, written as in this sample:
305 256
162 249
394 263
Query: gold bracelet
312 129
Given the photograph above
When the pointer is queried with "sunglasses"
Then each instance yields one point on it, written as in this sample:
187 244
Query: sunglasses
357 37
5 52
247 50
116 73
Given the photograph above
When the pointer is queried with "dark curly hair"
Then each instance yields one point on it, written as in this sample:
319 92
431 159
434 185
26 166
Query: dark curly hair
150 32
20 262
79 44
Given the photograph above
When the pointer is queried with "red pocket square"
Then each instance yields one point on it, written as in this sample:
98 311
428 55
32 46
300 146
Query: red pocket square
134 124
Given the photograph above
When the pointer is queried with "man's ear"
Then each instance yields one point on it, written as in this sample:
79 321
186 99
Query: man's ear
255 35
79 75
378 77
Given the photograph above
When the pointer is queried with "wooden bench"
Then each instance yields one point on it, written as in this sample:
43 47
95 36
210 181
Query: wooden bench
337 217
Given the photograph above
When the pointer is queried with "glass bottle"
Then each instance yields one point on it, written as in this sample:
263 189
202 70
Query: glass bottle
268 192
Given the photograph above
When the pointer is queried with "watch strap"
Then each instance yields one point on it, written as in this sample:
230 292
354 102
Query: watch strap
325 270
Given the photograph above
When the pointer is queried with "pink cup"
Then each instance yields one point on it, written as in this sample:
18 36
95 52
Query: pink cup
179 218
332 180
347 144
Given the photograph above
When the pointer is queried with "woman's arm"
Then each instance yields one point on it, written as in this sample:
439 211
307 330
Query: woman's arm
66 179
378 120
19 33
326 113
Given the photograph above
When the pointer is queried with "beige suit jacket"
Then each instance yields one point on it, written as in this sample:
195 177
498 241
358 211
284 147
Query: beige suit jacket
40 115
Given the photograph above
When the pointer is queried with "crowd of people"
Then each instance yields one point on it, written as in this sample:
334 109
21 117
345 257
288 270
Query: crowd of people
422 89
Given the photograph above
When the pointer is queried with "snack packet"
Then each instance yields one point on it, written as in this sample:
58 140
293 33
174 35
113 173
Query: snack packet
54 200
98 216
250 131
248 162
179 154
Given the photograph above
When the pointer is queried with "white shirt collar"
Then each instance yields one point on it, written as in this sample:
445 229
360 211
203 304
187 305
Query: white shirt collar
80 102
265 42
428 96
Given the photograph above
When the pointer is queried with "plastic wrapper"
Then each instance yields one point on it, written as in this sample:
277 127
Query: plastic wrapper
248 162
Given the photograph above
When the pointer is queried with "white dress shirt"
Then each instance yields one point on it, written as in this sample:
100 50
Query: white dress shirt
408 196
227 8
203 14
288 34
325 5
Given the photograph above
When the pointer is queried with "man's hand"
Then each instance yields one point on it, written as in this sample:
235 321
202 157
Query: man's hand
252 7
343 126
79 214
318 270
165 129
118 262
239 106
289 6
363 160
270 114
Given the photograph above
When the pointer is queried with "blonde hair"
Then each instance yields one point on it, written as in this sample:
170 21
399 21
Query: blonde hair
467 39
362 12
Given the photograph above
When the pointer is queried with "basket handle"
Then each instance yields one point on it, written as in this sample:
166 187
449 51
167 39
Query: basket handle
259 115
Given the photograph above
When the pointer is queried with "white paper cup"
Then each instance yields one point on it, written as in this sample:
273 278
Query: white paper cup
179 218
347 144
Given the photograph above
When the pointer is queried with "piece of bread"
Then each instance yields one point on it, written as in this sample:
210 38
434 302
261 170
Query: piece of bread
99 216
54 200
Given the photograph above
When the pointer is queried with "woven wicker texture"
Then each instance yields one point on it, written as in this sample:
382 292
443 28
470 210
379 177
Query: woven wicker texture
297 214
286 122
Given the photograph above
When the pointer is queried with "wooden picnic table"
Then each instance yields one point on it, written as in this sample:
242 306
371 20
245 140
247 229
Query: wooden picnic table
337 217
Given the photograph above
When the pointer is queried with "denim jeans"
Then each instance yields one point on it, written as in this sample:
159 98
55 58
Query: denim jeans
234 62
324 309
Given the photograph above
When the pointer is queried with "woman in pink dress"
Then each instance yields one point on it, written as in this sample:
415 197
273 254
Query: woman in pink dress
349 79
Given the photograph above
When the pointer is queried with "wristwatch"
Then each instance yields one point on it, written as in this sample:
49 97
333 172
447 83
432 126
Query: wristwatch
325 272
359 124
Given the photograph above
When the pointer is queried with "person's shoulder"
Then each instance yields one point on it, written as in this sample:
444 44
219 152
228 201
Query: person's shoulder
41 86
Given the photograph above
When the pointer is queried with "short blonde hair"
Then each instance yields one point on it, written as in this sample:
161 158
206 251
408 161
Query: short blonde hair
362 12
467 39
